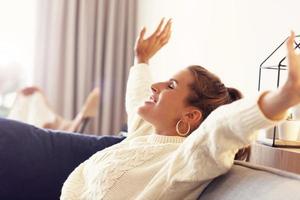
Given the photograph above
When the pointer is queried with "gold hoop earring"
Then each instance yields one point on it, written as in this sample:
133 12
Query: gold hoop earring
182 134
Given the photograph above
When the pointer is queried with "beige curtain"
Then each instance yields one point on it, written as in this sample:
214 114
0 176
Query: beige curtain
82 44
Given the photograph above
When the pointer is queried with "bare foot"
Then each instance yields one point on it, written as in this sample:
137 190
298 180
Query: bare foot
90 107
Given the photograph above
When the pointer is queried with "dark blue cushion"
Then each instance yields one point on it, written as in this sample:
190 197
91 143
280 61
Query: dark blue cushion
34 162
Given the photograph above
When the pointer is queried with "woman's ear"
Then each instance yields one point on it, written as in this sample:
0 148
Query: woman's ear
194 116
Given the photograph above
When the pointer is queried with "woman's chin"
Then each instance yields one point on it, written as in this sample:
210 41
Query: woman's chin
145 109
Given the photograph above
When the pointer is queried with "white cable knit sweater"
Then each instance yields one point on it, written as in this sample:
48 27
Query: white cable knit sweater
148 166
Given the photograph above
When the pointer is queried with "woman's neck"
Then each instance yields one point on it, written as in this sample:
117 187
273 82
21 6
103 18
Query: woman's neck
166 132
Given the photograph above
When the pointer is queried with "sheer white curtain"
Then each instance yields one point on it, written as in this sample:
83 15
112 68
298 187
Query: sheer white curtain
81 45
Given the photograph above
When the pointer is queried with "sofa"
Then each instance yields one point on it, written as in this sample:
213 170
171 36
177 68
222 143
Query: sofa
34 164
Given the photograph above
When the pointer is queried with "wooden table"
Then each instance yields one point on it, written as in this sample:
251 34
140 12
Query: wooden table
281 158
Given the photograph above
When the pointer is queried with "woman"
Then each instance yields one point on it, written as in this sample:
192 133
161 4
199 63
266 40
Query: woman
177 140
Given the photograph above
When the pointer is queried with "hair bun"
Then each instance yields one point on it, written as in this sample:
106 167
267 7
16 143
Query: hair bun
234 94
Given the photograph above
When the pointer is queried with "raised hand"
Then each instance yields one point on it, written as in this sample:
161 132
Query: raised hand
293 81
146 48
275 104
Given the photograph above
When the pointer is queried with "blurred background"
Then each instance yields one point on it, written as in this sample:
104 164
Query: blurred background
69 47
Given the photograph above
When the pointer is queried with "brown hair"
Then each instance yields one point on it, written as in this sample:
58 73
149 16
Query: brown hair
208 93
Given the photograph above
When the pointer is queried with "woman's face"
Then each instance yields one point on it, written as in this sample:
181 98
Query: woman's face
167 104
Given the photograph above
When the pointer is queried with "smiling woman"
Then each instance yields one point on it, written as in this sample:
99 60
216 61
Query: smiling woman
169 101
184 136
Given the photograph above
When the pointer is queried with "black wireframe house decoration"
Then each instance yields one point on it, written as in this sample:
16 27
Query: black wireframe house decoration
279 65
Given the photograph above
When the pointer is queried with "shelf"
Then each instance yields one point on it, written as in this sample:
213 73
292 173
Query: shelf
280 158
280 143
275 67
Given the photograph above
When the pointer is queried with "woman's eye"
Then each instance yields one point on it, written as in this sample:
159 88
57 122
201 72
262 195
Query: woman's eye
171 86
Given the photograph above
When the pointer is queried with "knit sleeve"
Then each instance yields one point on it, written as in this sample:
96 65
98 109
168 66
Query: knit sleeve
138 90
208 152
72 188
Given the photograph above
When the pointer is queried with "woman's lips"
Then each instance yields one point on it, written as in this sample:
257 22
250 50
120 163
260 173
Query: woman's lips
151 100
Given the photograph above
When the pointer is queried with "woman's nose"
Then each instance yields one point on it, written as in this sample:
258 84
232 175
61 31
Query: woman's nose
155 88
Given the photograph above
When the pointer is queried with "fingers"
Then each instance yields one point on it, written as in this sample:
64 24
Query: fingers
142 34
290 43
158 38
159 26
167 38
164 36
166 29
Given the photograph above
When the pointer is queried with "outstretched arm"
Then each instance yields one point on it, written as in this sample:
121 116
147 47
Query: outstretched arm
275 104
139 81
209 151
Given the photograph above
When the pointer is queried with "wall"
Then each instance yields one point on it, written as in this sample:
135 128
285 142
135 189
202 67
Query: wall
229 37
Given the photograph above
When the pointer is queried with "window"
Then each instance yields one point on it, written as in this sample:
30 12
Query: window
17 41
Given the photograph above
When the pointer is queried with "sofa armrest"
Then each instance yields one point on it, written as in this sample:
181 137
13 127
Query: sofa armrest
250 182
35 162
